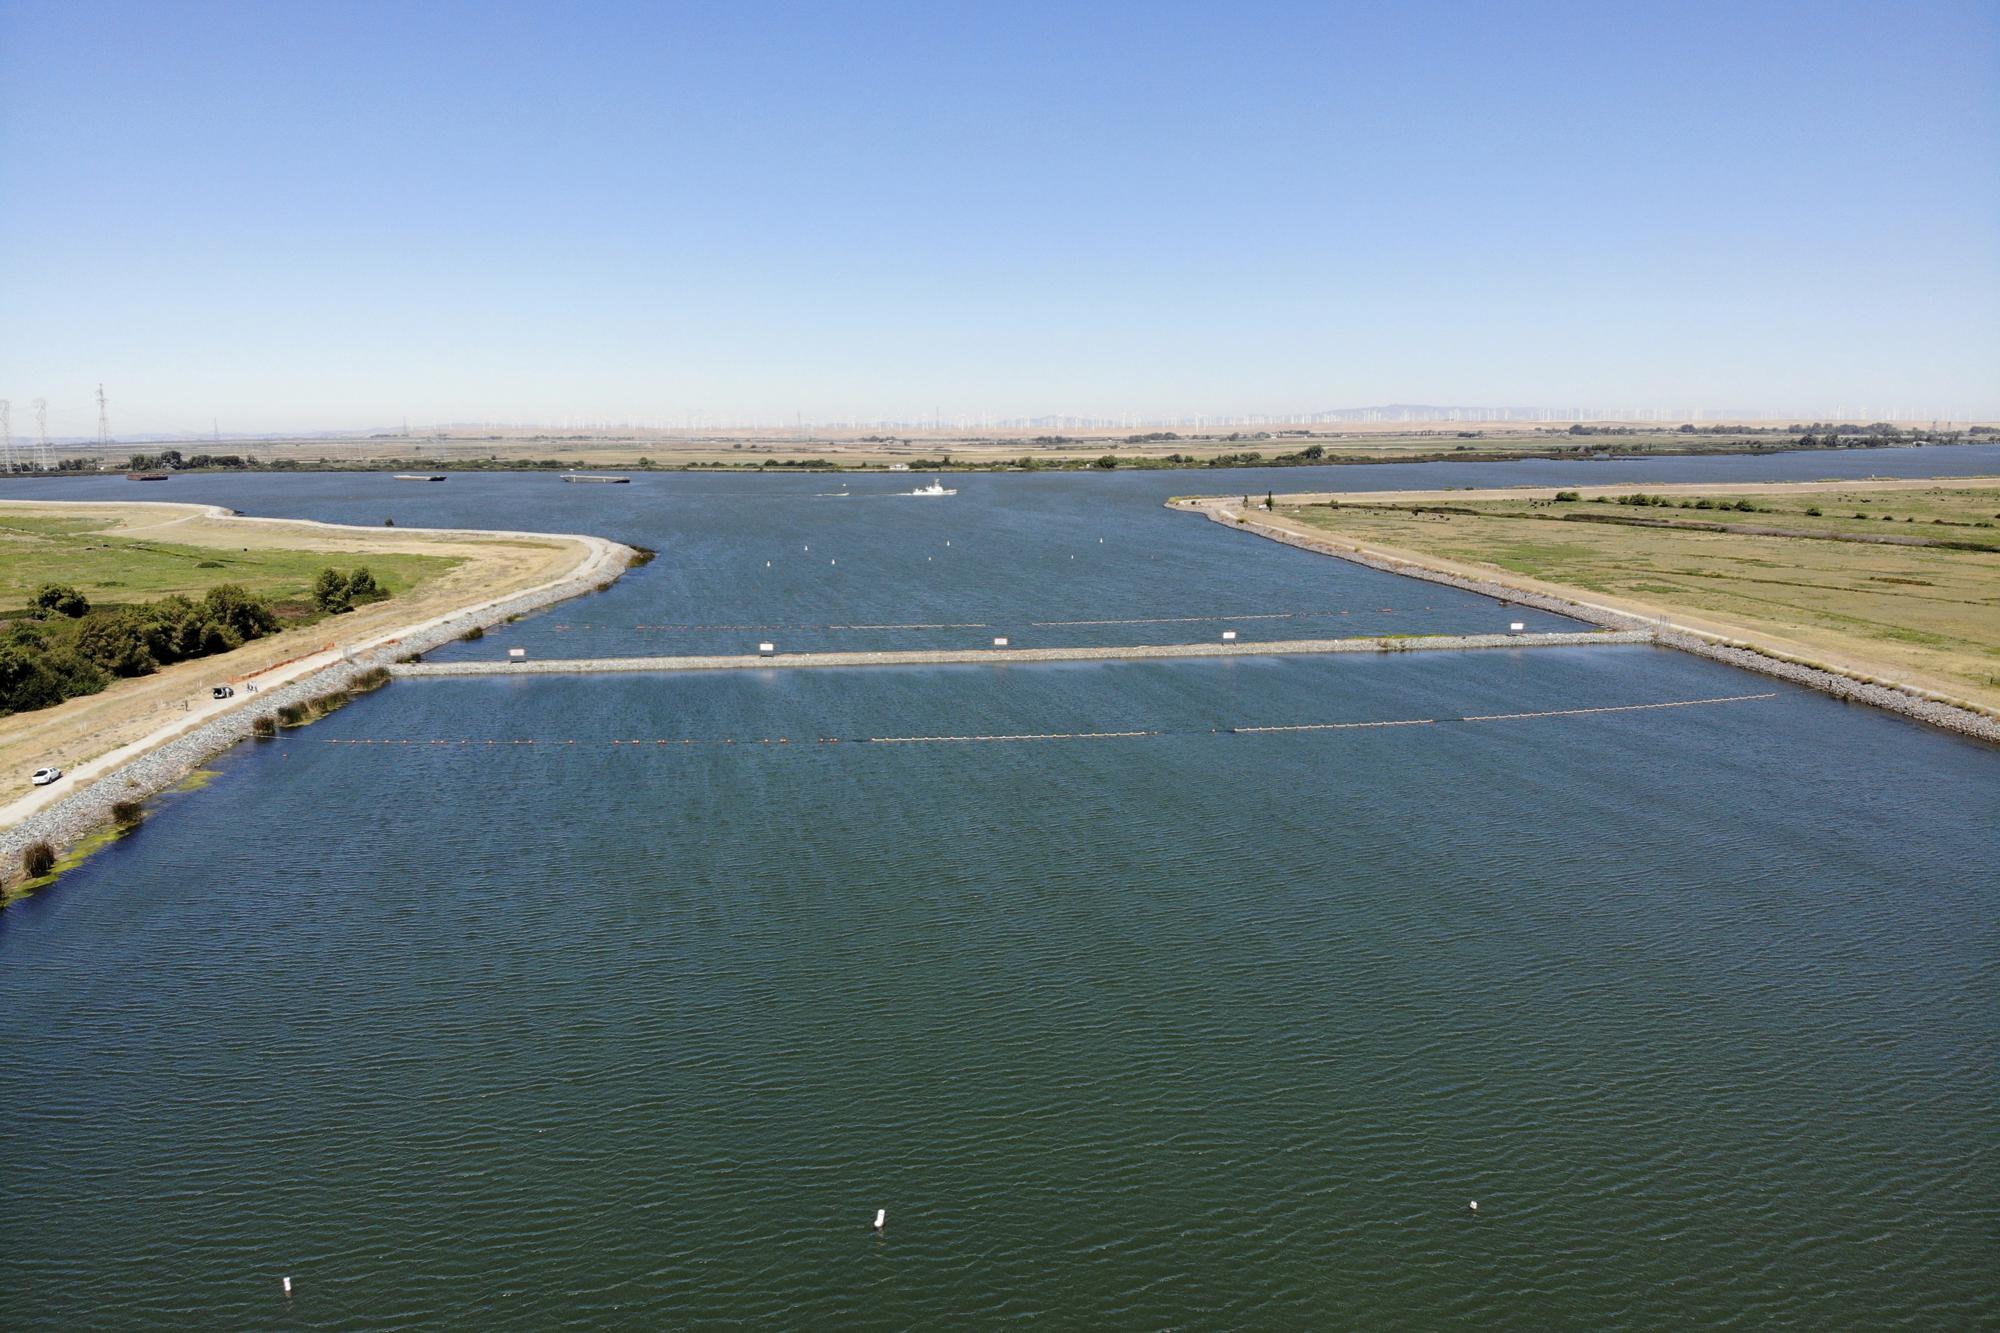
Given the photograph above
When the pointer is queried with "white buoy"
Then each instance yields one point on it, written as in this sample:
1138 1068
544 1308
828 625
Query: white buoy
288 1285
833 562
1475 1205
881 1218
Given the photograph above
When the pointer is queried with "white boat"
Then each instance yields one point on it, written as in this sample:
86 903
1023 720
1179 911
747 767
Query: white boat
937 487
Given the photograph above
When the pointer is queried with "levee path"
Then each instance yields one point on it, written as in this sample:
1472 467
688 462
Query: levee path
576 666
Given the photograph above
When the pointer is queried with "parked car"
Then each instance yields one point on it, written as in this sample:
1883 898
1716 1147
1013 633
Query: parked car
221 692
44 776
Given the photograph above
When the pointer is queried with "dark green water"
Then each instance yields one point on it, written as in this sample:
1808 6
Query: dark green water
1198 1029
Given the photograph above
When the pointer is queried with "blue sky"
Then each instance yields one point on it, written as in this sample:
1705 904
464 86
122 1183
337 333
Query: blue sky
293 216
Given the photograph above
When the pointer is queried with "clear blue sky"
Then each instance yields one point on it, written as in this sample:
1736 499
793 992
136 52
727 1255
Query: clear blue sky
294 216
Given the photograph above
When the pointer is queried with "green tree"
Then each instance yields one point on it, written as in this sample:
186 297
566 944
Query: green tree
116 643
329 592
1270 501
60 599
245 616
362 587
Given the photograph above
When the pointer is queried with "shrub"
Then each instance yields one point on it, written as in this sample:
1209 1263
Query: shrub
1568 497
264 727
37 859
374 678
1813 512
329 592
291 715
362 587
59 599
322 704
127 814
473 635
388 522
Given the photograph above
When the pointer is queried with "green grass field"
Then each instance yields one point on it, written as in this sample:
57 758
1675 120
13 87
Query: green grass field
110 570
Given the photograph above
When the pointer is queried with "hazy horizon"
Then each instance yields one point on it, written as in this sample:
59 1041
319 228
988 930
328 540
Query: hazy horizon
277 220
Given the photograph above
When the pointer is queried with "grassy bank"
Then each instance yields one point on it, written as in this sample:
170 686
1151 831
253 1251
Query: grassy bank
1786 566
88 552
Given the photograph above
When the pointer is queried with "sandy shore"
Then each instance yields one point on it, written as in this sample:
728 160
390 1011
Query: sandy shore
144 734
1724 643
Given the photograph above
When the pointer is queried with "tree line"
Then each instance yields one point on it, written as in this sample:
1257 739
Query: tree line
60 647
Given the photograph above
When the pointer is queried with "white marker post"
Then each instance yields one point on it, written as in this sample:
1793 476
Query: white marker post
881 1218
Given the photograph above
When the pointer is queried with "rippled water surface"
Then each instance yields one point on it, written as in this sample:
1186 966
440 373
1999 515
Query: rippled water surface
1196 1027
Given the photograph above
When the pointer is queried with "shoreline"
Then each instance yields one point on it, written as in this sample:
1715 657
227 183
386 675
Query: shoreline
1909 701
139 770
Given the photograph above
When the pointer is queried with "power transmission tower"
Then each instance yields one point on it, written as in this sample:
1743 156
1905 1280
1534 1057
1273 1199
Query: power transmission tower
41 406
103 420
7 432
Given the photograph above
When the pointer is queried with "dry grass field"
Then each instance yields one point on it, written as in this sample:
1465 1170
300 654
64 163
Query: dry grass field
1777 576
1348 441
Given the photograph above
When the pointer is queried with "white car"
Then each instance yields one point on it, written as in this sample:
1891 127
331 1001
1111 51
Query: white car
44 776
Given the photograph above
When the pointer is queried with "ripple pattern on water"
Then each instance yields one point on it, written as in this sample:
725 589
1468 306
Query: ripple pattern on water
1119 1034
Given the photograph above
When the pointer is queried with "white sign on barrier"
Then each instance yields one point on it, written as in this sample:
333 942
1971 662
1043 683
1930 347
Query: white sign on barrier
517 654
1515 626
1229 636
999 643
766 649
